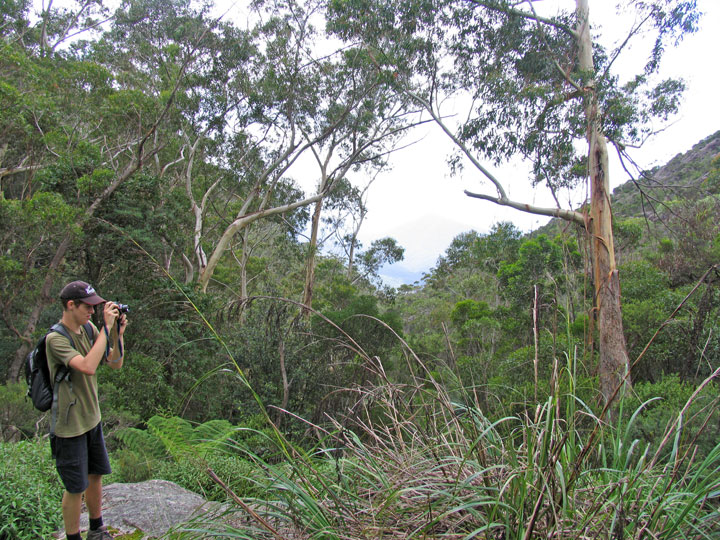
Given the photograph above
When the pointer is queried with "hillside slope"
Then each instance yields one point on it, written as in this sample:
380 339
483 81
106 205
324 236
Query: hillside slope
681 178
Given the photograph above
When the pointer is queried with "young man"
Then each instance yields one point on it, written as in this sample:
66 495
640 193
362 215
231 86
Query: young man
78 445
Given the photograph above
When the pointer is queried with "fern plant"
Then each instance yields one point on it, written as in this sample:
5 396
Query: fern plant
166 440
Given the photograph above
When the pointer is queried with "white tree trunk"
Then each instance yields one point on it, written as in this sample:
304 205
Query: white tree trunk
614 363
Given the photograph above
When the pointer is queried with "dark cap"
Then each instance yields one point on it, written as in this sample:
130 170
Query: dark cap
79 290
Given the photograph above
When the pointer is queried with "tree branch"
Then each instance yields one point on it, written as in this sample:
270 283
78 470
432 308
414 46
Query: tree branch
501 199
12 170
458 143
568 215
495 6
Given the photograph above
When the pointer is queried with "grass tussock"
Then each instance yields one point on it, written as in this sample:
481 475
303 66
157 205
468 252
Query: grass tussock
410 461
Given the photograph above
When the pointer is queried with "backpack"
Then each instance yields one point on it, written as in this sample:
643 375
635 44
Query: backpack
41 390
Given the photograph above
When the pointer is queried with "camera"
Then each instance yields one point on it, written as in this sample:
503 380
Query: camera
123 308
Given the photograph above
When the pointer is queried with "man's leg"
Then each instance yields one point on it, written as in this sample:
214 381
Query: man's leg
99 465
71 505
71 461
93 496
93 501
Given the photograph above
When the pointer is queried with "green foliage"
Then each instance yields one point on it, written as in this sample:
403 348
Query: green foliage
477 325
30 230
468 309
712 181
130 466
174 437
700 421
143 442
648 303
172 449
235 472
140 388
359 318
18 416
641 280
537 258
628 232
30 491
381 252
482 252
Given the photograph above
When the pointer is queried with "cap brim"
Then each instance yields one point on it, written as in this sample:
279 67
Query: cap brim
93 300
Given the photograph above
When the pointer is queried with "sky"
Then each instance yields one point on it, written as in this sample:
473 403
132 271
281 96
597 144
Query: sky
419 204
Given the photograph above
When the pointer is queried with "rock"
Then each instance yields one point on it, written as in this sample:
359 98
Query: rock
152 507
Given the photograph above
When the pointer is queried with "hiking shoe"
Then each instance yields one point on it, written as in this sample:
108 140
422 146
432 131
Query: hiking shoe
99 534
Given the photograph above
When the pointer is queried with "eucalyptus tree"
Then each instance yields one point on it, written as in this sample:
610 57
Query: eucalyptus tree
304 101
263 138
381 252
349 204
46 28
539 87
150 43
368 120
30 56
215 143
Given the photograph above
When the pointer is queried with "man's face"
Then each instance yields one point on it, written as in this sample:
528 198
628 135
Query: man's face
81 311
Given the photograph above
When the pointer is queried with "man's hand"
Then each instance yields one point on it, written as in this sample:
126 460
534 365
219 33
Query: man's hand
123 323
110 314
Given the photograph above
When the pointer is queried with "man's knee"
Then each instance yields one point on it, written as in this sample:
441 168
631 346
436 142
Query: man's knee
95 478
71 500
94 485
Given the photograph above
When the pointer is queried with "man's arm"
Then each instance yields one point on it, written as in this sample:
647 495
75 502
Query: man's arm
89 363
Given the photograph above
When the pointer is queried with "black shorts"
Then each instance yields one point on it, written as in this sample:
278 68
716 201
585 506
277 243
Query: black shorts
76 457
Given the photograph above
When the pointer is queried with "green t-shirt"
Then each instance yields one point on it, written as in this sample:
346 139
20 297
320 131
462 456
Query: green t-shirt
78 409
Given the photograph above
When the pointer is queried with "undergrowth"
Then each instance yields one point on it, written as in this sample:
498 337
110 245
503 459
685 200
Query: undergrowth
409 462
30 491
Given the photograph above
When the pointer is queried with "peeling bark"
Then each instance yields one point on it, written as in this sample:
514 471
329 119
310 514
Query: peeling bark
613 363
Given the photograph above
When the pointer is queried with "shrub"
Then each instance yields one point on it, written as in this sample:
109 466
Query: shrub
18 417
700 423
129 466
235 472
139 389
173 449
30 491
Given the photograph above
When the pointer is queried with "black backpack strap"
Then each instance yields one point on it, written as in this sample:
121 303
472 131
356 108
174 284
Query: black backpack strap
60 329
89 331
63 373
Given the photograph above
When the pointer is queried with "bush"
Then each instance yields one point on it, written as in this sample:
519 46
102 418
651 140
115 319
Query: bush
235 472
30 491
700 423
129 466
173 449
138 390
18 417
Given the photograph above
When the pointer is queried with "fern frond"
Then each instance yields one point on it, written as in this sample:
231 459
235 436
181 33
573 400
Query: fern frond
142 442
